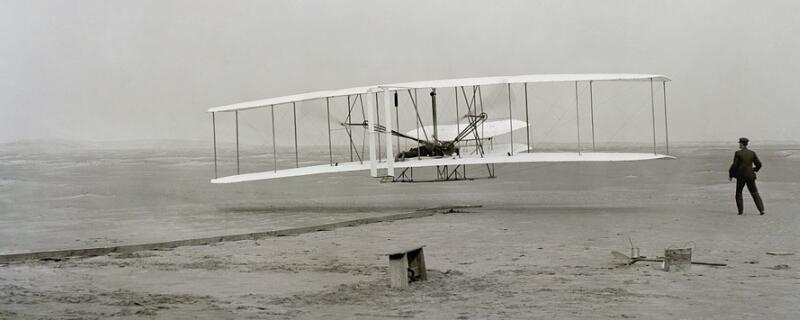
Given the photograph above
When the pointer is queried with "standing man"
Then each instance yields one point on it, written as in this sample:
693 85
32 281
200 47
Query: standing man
745 173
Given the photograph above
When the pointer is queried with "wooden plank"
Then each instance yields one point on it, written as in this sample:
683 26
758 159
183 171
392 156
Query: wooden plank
398 271
417 264
403 250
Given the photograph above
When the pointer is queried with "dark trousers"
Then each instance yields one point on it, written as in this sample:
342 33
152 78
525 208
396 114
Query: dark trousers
751 186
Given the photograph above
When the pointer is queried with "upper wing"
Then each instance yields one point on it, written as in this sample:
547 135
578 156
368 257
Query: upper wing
530 78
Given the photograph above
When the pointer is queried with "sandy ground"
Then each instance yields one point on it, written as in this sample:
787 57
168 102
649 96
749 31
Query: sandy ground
539 248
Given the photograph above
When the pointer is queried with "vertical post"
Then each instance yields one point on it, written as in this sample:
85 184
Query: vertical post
527 119
480 101
435 119
371 123
330 142
578 117
274 147
666 128
214 135
591 106
296 154
653 113
510 121
236 113
458 126
416 110
387 110
396 118
378 120
348 121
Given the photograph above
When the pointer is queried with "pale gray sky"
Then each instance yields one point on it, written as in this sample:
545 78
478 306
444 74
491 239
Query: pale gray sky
125 70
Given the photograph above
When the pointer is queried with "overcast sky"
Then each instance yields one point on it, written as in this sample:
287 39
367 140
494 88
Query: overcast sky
126 70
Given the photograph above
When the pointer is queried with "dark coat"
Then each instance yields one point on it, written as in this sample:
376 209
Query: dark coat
745 165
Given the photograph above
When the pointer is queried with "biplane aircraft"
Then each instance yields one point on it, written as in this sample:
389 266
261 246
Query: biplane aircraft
449 147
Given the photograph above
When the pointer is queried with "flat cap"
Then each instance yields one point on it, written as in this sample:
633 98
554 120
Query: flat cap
744 140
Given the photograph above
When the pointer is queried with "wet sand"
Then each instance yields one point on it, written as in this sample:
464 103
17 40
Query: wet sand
539 248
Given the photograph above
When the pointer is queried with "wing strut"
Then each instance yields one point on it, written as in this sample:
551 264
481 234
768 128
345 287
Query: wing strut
578 117
330 142
510 121
349 133
274 146
470 106
373 164
666 128
387 110
397 116
414 99
416 111
349 112
236 113
653 113
591 106
528 127
363 118
433 108
480 100
458 119
378 117
214 135
296 154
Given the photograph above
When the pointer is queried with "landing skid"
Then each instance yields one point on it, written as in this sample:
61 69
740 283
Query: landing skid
443 174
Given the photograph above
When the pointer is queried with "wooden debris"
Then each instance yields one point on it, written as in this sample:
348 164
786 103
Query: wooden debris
780 253
623 258
407 265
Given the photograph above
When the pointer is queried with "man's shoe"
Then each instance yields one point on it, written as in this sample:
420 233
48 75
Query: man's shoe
740 213
762 213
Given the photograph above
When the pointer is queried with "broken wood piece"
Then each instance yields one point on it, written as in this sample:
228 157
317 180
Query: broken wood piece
407 265
620 256
677 259
780 253
628 260
713 264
